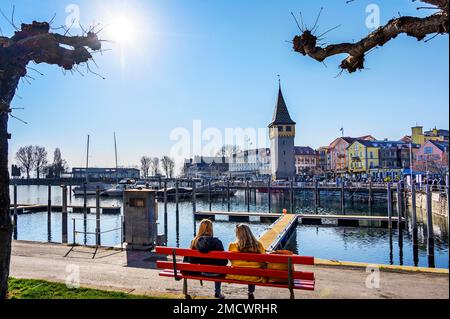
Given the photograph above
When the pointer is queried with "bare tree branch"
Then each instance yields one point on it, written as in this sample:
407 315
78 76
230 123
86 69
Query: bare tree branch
438 23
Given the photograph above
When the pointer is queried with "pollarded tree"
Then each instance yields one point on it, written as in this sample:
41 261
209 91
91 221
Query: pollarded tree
33 42
436 23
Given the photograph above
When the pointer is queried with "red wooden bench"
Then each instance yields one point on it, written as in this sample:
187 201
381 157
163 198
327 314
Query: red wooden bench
295 280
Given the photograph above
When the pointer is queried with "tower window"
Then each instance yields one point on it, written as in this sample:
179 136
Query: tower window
280 128
288 128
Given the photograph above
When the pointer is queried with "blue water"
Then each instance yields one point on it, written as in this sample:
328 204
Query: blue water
358 244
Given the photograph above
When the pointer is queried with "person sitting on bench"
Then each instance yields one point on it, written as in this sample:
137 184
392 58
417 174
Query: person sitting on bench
247 243
205 242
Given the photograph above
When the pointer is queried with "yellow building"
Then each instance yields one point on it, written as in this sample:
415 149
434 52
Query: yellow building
363 156
419 137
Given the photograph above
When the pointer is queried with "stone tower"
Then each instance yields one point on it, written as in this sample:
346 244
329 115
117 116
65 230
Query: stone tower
282 136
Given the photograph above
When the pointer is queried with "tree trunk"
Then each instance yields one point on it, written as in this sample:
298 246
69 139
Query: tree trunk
7 90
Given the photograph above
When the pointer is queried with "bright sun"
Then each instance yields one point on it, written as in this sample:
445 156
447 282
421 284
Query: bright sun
122 30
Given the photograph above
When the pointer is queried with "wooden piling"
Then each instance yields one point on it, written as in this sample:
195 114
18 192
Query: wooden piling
247 196
15 213
389 204
370 196
447 189
316 197
85 201
166 228
399 205
64 218
430 242
97 218
49 213
291 197
194 198
209 196
415 232
177 199
228 195
269 194
343 198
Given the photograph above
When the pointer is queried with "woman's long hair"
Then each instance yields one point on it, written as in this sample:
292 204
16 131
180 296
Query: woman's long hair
246 241
205 229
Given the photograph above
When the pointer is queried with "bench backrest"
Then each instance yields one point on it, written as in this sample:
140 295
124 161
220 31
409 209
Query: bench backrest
224 255
288 274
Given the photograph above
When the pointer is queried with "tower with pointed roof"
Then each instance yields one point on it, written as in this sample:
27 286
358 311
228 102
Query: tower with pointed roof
282 136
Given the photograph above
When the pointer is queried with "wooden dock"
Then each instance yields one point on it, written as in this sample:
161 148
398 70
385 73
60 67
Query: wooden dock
38 208
279 232
352 220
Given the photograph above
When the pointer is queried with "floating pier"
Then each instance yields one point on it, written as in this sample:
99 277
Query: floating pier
279 232
39 208
351 220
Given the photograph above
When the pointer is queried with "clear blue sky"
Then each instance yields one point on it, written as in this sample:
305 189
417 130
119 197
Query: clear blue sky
217 61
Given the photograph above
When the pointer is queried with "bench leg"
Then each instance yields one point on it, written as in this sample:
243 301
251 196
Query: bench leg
292 294
185 289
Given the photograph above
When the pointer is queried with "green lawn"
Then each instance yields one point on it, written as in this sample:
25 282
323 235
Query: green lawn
39 289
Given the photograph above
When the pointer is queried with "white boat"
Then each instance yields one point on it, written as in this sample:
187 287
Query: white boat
117 191
91 189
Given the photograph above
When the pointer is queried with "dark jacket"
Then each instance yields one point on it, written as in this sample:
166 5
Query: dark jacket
204 245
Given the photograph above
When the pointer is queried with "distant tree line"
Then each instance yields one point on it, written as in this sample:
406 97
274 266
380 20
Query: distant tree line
151 166
34 158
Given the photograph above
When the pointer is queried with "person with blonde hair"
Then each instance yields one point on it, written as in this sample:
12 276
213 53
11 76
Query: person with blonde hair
246 242
205 242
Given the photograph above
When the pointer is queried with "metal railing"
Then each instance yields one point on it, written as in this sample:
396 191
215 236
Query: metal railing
97 232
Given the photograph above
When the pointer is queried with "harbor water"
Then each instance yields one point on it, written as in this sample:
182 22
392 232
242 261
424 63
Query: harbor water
356 244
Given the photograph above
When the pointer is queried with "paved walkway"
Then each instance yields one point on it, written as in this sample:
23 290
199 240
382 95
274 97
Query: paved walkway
130 272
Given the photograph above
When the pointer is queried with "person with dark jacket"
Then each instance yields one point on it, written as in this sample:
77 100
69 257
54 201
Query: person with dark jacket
205 242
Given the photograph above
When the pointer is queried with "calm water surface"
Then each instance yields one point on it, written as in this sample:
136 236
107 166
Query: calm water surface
359 244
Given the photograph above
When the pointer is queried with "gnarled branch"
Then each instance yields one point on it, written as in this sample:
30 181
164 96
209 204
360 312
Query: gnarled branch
306 44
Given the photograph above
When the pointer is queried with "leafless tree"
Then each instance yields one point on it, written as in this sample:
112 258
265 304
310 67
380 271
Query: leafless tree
40 160
155 166
36 43
168 165
59 165
228 151
308 43
25 159
145 165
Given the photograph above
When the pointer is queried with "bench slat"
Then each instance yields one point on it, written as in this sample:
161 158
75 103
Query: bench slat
227 270
298 284
282 259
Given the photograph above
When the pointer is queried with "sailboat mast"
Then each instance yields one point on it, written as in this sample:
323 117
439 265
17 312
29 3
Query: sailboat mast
87 160
115 152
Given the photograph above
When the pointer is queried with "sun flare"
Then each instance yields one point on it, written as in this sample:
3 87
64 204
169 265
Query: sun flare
122 30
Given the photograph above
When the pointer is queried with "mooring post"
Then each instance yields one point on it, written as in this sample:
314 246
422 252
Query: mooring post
415 233
209 196
291 197
177 199
370 196
85 200
166 228
97 218
228 195
64 227
15 212
316 197
194 198
389 202
247 193
269 192
70 193
430 246
399 206
343 198
49 213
